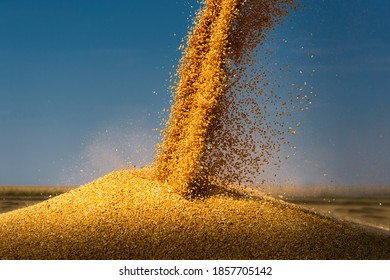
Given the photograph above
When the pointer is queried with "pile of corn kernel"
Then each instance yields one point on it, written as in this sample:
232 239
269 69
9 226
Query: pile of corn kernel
130 215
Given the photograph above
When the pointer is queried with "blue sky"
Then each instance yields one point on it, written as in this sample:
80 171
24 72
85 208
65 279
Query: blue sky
82 84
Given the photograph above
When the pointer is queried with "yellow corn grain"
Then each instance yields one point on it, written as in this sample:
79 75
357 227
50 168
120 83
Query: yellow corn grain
211 140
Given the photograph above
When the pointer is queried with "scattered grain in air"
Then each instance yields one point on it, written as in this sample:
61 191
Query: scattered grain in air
194 201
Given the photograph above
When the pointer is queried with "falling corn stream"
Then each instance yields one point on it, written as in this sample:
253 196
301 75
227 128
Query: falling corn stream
220 128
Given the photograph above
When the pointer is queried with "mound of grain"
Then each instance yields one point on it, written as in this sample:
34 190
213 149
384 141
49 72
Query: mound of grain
129 215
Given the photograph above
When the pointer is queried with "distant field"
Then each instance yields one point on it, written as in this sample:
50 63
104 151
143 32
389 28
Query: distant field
374 211
32 190
15 197
360 206
327 191
369 205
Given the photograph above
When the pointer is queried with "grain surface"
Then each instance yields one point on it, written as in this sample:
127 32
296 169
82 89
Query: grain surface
130 215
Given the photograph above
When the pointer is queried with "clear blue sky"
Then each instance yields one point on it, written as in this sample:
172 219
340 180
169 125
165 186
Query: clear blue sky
82 84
